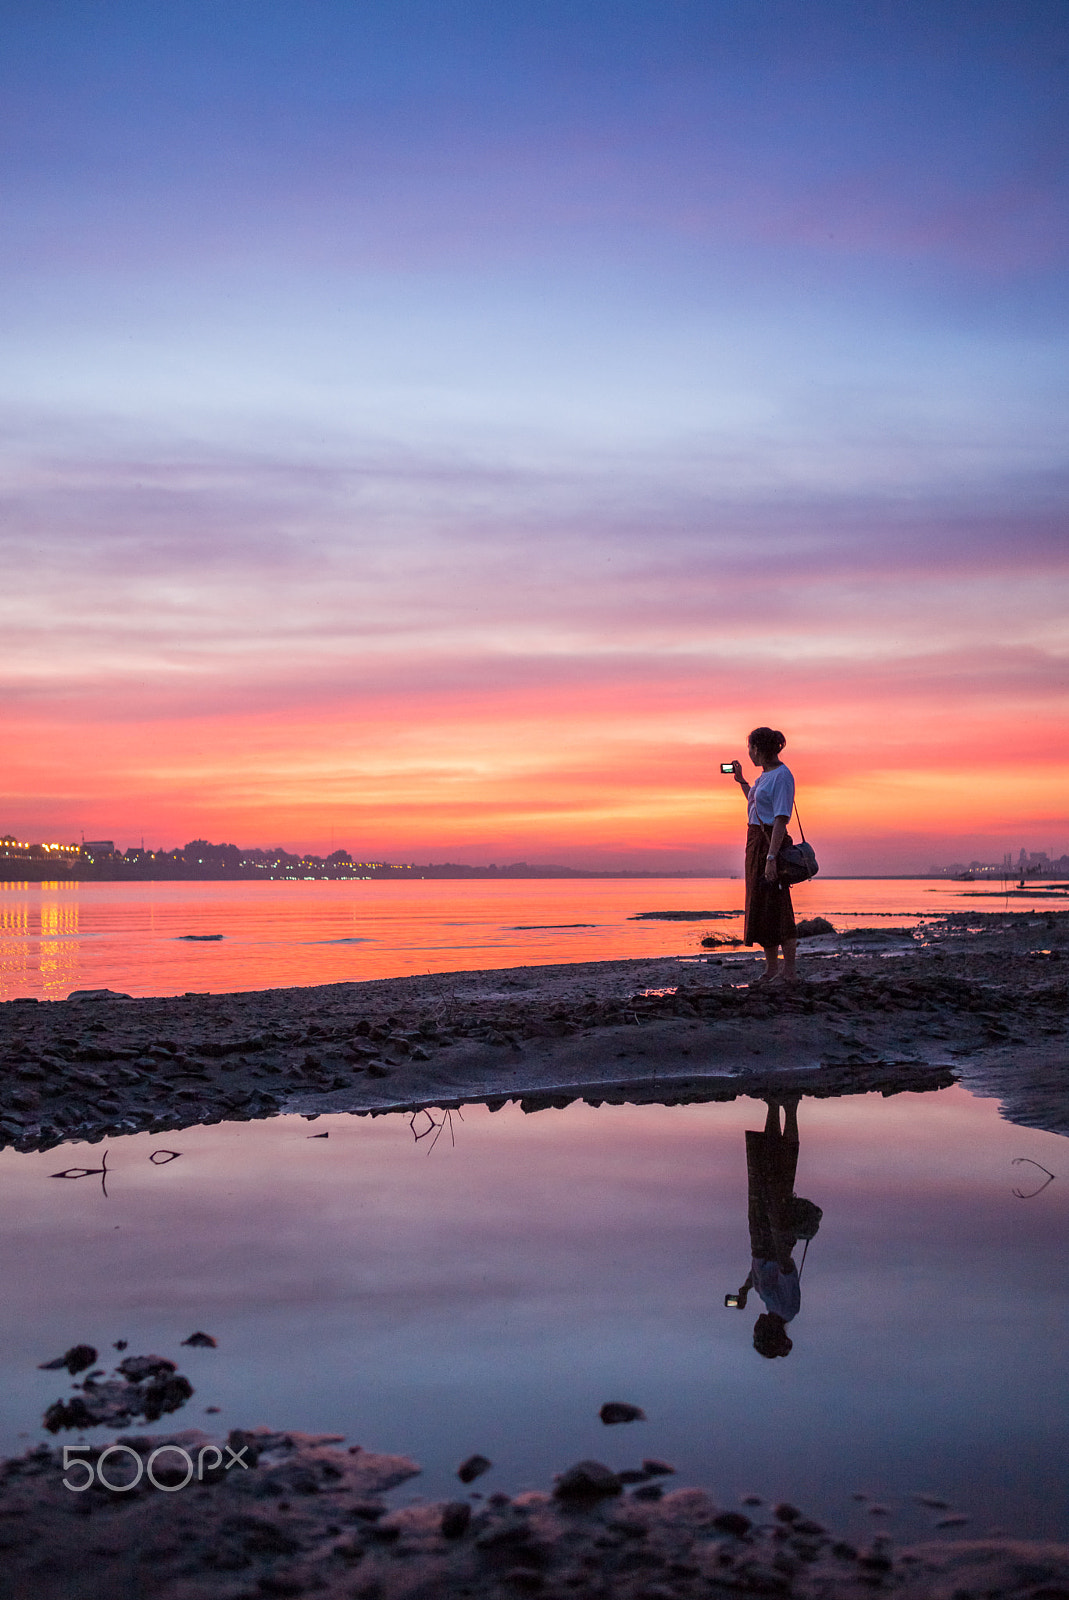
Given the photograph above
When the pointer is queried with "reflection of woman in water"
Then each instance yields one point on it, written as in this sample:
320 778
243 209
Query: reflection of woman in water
777 1221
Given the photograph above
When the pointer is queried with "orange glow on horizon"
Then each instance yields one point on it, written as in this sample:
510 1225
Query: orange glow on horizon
560 778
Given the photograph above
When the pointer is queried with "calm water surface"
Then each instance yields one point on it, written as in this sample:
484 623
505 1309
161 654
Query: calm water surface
491 1294
130 937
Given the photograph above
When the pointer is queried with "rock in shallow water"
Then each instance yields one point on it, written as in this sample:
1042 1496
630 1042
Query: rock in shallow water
456 1519
473 1468
77 1359
587 1480
150 1388
614 1411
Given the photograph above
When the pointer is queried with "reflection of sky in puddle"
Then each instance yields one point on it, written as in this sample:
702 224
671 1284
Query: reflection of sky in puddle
492 1295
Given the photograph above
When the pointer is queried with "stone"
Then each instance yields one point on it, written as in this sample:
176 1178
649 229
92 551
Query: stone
136 1368
473 1468
367 1511
77 1359
456 1519
615 1411
732 1522
587 1480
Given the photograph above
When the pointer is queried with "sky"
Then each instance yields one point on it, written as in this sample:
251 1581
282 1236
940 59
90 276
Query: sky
444 428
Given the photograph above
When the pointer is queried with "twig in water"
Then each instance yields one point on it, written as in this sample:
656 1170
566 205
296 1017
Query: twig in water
88 1172
1031 1194
434 1125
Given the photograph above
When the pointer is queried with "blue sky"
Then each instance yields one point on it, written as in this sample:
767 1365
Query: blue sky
353 351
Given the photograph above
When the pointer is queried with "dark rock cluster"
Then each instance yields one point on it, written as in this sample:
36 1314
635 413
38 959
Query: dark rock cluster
302 1517
146 1387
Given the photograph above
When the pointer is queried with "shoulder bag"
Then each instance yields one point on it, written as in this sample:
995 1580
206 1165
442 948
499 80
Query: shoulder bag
796 863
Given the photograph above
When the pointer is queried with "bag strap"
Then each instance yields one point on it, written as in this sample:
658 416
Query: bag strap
801 830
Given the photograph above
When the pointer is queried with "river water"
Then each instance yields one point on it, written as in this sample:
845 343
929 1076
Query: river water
135 937
491 1293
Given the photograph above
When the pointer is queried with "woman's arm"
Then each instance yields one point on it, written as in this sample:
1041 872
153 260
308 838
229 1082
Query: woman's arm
738 1301
779 833
740 780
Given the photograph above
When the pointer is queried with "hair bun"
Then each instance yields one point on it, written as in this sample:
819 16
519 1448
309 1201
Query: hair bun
768 740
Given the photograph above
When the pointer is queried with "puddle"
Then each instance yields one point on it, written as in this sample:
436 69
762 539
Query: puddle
487 1282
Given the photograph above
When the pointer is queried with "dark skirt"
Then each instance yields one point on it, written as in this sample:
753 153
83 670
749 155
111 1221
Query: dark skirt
771 1163
769 912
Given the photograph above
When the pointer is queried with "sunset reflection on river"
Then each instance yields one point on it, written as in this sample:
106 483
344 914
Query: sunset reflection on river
134 937
493 1293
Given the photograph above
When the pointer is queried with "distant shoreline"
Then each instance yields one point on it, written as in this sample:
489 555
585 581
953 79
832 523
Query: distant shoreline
47 874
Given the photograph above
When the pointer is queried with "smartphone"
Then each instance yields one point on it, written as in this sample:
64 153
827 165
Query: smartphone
731 1300
727 766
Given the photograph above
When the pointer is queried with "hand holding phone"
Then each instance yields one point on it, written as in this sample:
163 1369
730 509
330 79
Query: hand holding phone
728 767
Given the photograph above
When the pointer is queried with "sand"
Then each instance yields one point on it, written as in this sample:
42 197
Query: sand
982 1000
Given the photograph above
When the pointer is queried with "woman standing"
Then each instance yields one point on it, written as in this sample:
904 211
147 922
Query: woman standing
770 801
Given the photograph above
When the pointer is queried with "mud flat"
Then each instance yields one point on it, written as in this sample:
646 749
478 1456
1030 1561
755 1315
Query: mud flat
301 1514
981 999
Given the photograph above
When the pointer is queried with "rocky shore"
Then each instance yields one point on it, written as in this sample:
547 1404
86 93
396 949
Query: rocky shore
295 1514
982 999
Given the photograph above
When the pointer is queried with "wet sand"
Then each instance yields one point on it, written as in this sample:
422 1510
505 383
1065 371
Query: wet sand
304 1515
984 1001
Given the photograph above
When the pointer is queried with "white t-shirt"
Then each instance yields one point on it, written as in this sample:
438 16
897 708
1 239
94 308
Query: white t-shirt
780 1291
771 796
